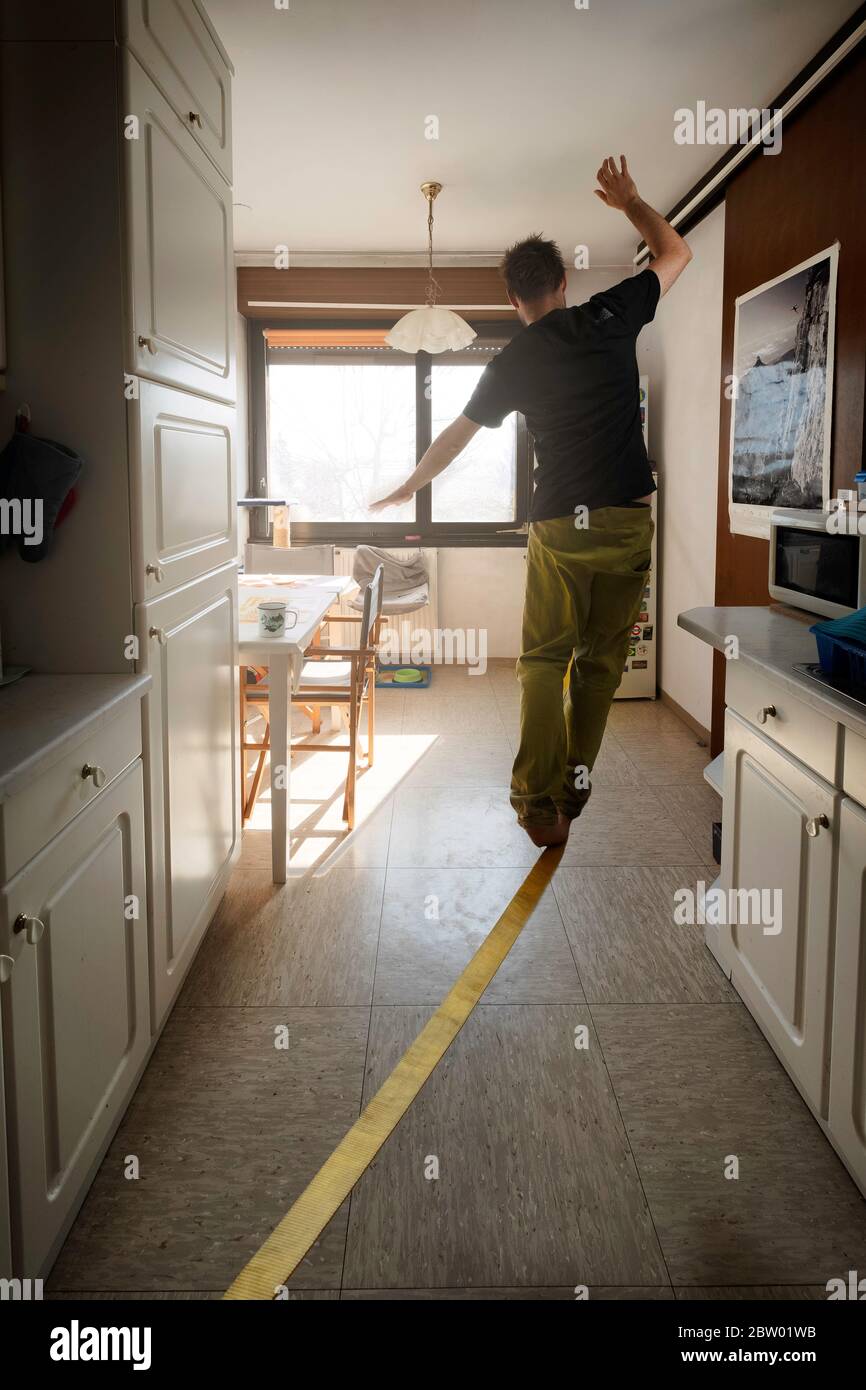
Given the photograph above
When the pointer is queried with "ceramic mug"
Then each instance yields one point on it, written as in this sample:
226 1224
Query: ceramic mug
272 618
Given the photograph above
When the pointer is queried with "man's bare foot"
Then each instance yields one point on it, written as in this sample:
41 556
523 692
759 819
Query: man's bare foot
546 836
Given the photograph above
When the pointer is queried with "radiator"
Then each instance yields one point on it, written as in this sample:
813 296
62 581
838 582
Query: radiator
423 620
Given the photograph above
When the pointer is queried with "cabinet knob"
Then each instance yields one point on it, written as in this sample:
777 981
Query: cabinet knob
814 824
7 965
768 712
156 571
33 927
148 343
96 774
159 634
194 119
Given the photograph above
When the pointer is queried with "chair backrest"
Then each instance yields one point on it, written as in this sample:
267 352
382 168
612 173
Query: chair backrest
403 571
372 610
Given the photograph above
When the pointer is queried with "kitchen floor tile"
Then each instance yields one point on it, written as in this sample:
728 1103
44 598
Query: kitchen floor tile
628 949
309 941
536 1183
433 922
463 760
656 1294
640 717
697 1086
753 1293
666 760
626 825
472 827
228 1129
693 809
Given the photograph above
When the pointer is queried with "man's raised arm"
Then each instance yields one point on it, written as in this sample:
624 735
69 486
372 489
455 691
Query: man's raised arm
671 254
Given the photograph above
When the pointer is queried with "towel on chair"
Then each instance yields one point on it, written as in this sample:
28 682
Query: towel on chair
404 586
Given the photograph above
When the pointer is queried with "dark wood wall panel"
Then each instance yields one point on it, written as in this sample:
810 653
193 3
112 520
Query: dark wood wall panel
779 210
367 285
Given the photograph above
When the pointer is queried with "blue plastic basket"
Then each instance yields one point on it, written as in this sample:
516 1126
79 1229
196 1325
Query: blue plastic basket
840 657
842 646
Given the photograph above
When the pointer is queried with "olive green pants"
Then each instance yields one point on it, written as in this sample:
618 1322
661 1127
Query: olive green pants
584 590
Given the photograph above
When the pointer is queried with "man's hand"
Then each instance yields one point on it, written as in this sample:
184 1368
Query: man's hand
393 499
670 253
444 450
617 185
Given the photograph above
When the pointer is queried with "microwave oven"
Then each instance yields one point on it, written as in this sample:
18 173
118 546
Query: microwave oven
818 561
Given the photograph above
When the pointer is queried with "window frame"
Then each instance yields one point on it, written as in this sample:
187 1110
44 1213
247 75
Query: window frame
381 531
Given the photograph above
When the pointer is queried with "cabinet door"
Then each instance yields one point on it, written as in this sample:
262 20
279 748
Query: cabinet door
174 45
848 1058
188 641
182 468
76 1021
781 967
180 254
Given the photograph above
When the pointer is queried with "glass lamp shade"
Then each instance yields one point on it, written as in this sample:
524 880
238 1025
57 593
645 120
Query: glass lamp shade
431 329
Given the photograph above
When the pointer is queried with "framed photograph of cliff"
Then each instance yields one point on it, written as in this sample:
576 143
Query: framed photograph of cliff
783 394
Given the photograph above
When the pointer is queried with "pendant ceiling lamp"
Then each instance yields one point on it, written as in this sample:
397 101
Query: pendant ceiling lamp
433 328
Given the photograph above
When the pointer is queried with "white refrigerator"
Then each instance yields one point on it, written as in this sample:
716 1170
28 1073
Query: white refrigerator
639 677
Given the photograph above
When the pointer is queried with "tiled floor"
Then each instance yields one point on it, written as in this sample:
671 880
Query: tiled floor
558 1166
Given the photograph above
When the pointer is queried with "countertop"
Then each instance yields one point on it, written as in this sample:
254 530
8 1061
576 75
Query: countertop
43 717
773 640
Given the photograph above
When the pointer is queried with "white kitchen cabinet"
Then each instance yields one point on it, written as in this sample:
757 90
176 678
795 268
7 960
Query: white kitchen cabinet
181 450
188 641
75 1010
174 43
848 1069
180 252
780 823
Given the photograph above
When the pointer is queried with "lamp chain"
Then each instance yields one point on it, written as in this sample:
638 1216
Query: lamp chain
434 289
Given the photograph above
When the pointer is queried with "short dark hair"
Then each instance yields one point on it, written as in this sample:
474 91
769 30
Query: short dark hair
532 268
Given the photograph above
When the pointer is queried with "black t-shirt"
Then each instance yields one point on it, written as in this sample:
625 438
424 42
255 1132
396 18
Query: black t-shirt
573 375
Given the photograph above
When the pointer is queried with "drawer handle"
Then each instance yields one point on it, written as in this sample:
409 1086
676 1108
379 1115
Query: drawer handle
194 119
157 572
148 343
159 634
7 965
96 774
33 927
768 712
815 824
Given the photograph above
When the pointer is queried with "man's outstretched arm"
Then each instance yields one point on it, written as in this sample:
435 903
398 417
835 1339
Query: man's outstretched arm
671 254
444 450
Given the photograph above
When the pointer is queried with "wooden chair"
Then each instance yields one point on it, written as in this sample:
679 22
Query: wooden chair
331 676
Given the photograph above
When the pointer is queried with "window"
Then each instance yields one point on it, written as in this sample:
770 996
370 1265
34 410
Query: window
339 419
341 431
480 485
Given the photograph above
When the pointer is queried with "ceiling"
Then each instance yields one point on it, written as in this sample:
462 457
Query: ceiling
331 97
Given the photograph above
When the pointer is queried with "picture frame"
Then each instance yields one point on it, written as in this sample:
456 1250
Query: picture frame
782 394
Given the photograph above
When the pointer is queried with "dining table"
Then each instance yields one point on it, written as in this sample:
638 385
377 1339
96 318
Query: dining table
307 597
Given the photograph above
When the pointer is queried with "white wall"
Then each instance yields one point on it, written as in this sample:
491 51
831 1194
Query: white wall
681 353
483 589
581 285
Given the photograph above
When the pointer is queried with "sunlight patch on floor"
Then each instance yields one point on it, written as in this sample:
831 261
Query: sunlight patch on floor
318 783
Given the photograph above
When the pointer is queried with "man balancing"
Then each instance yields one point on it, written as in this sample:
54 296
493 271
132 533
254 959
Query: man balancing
573 374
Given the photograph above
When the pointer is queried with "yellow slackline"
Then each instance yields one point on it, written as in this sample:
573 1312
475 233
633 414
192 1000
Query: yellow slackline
286 1246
